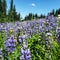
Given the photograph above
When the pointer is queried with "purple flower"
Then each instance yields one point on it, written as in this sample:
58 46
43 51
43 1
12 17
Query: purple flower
10 44
28 51
25 54
22 39
0 52
28 57
22 57
22 51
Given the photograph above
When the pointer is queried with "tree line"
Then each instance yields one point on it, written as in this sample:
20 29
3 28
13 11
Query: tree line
31 16
55 12
10 15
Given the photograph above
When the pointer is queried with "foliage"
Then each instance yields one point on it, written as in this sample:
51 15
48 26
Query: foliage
38 48
10 15
31 16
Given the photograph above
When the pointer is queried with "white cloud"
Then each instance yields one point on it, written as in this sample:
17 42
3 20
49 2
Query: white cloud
33 4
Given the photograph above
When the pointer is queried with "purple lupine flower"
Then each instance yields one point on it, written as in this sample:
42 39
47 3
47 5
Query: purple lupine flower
25 54
22 57
10 44
28 57
22 38
28 51
1 53
22 51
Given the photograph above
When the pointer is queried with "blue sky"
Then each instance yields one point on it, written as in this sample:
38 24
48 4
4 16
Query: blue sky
35 6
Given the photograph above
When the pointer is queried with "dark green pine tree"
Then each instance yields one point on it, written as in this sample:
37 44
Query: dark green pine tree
19 18
4 7
11 5
56 13
41 16
16 16
53 12
59 11
30 16
25 18
33 16
0 9
36 16
14 13
10 12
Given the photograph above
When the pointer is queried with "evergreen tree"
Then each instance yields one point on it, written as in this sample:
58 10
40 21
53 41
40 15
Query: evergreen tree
14 13
0 9
53 12
16 16
36 16
11 5
19 18
56 13
26 18
0 6
4 11
41 16
4 7
59 11
33 17
10 12
30 16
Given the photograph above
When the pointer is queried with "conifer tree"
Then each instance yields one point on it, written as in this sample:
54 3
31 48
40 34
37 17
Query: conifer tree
14 13
1 10
10 12
11 5
36 16
19 18
4 7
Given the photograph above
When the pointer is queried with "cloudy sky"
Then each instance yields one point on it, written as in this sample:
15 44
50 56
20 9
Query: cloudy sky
35 6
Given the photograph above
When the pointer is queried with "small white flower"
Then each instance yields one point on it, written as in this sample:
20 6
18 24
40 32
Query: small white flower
49 34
